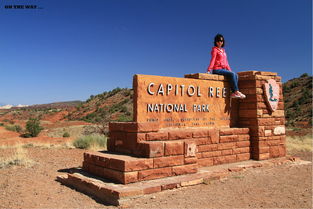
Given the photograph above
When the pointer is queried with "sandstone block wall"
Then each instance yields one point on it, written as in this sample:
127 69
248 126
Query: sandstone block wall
225 146
267 129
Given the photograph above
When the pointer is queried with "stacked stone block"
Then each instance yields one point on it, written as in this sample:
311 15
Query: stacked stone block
267 129
144 154
140 151
226 145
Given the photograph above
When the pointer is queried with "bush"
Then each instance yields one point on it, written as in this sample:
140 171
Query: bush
304 75
294 84
124 118
127 92
66 134
94 141
33 127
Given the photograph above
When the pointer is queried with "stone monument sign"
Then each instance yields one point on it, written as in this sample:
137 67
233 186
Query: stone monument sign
181 125
181 102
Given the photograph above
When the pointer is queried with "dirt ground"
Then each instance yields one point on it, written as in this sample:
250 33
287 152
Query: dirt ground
287 186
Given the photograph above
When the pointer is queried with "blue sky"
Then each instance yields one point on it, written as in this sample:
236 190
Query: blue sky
71 49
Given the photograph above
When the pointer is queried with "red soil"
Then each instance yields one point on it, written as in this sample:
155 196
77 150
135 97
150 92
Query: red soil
12 138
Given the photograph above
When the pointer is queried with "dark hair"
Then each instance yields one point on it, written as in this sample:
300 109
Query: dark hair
219 37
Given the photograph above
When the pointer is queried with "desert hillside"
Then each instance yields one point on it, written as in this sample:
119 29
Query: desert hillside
116 105
298 101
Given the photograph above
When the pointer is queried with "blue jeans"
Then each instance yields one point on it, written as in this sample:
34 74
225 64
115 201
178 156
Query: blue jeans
231 75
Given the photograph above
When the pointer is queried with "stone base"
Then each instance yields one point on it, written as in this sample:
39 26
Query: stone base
168 152
119 194
126 169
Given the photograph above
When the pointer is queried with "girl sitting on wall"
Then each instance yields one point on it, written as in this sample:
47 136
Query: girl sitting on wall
219 65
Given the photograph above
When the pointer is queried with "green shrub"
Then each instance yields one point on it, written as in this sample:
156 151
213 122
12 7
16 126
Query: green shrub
127 92
286 88
33 127
123 109
91 142
66 134
294 84
124 118
304 75
6 120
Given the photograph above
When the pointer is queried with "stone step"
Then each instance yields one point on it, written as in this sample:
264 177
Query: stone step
119 194
126 169
116 161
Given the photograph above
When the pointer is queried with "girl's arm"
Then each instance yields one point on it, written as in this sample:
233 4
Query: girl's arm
227 65
212 62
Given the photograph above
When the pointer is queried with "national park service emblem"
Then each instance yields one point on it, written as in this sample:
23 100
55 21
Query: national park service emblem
271 89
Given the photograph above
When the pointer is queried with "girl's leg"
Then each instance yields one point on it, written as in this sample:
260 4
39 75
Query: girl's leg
229 74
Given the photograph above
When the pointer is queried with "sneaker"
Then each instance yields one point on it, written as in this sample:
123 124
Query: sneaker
242 96
235 96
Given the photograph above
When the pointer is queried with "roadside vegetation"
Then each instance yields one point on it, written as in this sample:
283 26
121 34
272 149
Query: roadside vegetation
12 127
92 142
33 127
299 143
18 156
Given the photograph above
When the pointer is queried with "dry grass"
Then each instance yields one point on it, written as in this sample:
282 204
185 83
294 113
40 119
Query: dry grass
74 131
66 145
97 147
299 143
92 142
17 157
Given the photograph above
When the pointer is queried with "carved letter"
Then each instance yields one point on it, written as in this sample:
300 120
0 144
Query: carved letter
182 89
194 107
161 90
169 107
156 108
176 108
198 92
169 88
193 90
218 92
150 107
211 94
161 108
224 92
149 88
185 108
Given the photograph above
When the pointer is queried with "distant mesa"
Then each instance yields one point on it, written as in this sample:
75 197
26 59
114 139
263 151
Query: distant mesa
6 107
20 105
